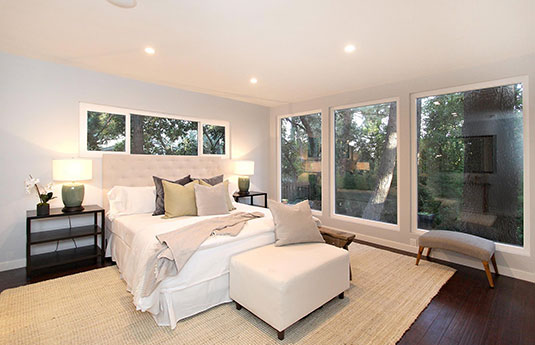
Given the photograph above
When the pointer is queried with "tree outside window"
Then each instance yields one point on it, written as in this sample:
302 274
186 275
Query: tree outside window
163 136
106 132
365 162
213 140
301 159
470 163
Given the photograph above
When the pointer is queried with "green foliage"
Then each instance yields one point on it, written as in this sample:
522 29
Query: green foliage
349 181
163 136
360 138
213 140
105 132
46 197
301 156
453 184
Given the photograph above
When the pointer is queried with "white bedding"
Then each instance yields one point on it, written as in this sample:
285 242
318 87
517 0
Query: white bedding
203 282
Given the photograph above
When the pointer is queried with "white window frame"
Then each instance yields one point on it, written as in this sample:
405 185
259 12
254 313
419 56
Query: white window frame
503 247
85 107
352 219
279 151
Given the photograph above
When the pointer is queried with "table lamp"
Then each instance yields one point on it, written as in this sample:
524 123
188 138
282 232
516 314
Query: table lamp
72 170
244 169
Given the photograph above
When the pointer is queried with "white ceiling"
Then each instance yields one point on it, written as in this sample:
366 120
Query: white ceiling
294 48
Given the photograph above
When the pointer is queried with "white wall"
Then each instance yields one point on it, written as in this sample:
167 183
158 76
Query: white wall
40 122
520 266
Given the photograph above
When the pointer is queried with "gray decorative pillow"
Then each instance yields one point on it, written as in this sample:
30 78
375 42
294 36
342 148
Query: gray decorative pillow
294 224
211 200
159 208
211 180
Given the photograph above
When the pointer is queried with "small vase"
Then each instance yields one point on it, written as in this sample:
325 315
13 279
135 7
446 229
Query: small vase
43 209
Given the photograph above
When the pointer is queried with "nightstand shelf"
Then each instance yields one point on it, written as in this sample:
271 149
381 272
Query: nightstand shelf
68 256
65 234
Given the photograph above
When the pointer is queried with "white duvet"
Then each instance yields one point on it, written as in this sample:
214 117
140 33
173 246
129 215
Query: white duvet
133 242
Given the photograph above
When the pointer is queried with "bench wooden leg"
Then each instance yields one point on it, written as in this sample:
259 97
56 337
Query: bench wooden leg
280 335
493 259
420 250
428 252
238 306
489 275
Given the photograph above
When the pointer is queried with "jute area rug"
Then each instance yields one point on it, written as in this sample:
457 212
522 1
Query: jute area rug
387 294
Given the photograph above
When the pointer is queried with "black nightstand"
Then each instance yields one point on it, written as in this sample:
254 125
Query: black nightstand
57 258
250 194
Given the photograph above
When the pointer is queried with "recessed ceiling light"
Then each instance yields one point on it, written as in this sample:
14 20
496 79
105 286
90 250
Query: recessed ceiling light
150 50
349 48
124 3
253 80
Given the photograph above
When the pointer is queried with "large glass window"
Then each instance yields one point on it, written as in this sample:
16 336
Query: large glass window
106 132
470 162
301 159
365 157
162 136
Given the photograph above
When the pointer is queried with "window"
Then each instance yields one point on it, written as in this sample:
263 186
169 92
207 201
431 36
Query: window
162 136
106 132
213 140
105 129
470 162
365 162
300 140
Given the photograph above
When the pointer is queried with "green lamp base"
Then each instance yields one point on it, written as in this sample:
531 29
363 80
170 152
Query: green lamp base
243 184
72 195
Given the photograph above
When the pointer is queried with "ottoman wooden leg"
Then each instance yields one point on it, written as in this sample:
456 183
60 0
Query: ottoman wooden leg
420 251
428 252
238 306
280 335
489 275
493 259
341 296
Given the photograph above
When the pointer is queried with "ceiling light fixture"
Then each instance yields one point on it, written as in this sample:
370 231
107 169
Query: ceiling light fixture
349 48
150 50
124 3
253 80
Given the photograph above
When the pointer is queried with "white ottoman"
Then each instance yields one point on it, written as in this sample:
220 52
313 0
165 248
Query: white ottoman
281 285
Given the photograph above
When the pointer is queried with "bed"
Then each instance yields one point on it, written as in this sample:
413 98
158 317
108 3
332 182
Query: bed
204 281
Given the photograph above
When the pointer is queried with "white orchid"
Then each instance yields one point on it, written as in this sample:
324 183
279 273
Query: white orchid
44 194
30 183
49 186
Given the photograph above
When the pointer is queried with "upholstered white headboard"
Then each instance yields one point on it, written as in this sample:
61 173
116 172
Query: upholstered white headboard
137 170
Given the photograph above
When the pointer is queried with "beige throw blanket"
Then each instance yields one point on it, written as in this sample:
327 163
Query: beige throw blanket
177 247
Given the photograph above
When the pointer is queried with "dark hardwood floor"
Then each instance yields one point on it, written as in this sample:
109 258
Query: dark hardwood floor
465 311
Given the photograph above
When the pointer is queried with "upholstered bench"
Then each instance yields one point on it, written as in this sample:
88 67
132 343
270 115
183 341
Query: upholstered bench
459 242
281 285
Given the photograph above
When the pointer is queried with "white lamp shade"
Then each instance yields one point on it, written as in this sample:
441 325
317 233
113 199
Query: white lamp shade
244 168
72 169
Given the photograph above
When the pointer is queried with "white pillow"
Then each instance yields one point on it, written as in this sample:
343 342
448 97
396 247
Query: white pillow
131 200
294 224
211 200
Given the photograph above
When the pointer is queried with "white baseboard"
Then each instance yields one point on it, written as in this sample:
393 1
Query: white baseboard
446 256
10 265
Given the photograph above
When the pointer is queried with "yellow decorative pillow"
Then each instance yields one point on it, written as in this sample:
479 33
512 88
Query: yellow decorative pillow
229 200
179 200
